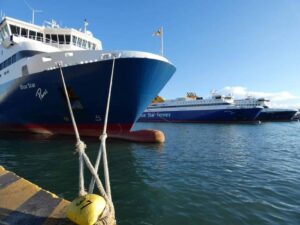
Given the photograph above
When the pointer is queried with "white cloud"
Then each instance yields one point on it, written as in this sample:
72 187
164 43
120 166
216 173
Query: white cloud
277 99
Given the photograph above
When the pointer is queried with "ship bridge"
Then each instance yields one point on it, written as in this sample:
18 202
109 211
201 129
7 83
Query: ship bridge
62 38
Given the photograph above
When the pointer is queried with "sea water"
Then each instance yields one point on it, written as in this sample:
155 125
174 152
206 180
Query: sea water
202 174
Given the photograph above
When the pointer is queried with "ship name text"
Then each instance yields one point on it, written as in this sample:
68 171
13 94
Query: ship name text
27 86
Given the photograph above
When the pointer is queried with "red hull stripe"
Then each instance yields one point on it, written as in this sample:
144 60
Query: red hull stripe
84 129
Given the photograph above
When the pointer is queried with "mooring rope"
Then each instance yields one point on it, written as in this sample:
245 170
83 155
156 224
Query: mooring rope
81 146
103 138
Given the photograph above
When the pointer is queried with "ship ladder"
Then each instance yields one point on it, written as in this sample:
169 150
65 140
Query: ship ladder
88 208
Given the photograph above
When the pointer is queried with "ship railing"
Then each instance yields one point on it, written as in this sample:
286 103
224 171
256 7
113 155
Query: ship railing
40 39
51 42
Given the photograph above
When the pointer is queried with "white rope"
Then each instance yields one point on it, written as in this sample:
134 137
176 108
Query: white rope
69 104
98 182
80 145
80 148
92 183
103 138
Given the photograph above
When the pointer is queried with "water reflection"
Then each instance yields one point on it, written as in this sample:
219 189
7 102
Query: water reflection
202 174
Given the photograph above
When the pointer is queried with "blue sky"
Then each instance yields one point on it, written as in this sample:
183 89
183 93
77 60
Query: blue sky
226 45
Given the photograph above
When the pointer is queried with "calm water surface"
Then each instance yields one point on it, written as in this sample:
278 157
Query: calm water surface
202 174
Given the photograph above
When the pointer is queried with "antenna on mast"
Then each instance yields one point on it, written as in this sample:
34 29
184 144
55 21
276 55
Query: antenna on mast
33 11
2 15
85 25
52 23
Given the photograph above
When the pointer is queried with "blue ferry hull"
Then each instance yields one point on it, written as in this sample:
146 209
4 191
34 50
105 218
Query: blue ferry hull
202 116
37 102
286 115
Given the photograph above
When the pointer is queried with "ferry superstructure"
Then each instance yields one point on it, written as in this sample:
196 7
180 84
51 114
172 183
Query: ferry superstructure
31 90
268 113
217 109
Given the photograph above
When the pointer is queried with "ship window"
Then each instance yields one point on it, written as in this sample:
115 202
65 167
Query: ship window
40 37
54 38
13 58
32 34
68 39
1 38
79 42
84 44
24 32
15 30
5 63
74 40
47 38
94 46
9 61
61 39
16 57
5 32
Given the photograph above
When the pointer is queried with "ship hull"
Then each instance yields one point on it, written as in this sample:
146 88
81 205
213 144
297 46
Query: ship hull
202 116
280 115
37 102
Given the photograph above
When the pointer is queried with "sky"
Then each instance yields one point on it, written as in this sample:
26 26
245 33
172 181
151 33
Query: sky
240 47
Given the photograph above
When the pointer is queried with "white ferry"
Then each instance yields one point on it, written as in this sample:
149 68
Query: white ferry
217 109
31 90
268 113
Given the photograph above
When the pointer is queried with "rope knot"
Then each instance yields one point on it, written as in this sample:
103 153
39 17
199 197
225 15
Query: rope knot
103 137
82 192
107 217
80 147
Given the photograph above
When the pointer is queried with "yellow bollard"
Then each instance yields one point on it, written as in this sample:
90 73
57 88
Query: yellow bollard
85 210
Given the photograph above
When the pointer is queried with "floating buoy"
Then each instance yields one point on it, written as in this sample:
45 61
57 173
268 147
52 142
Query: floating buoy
86 210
